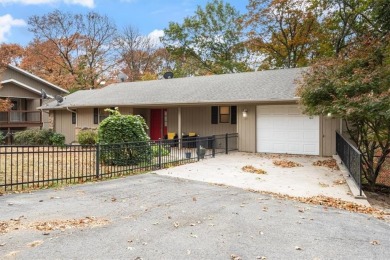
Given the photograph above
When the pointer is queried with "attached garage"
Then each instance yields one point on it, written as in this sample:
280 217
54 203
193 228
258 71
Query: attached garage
284 129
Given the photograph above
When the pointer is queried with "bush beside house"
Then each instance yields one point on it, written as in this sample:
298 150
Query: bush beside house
39 137
123 139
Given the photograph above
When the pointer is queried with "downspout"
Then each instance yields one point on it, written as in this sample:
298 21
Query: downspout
73 111
70 110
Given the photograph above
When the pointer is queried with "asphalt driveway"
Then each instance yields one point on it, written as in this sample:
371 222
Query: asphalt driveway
160 217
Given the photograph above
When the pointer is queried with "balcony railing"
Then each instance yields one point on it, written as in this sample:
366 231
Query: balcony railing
15 117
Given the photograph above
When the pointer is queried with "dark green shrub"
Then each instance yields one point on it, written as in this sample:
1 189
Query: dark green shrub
123 139
57 139
39 137
87 137
2 138
164 151
33 137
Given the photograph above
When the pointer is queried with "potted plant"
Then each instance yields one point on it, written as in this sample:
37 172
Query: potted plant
188 154
201 152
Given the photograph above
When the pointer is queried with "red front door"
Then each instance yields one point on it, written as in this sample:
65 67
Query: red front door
158 123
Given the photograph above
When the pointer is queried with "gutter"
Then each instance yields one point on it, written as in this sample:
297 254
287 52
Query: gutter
70 110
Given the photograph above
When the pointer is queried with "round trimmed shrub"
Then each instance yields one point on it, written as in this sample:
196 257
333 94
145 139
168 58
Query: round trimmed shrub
123 139
87 137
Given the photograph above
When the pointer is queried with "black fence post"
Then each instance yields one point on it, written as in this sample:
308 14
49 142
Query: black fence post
226 144
159 154
197 148
97 160
360 175
213 145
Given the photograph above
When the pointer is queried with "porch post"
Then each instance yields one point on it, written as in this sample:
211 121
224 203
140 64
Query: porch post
179 134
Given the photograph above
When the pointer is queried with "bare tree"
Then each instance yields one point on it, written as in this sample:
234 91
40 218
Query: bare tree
83 42
137 52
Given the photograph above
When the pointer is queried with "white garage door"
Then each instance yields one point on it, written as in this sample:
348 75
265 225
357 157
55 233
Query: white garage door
284 129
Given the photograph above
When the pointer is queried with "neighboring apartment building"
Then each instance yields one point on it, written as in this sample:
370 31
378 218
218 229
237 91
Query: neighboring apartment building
24 90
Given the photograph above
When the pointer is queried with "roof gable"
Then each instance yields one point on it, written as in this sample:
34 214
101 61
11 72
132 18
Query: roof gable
32 76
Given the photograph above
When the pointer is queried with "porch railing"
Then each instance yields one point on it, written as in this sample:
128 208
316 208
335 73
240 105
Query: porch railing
351 158
21 116
25 167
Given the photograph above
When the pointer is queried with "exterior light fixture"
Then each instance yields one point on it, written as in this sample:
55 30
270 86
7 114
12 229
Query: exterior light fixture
245 113
329 114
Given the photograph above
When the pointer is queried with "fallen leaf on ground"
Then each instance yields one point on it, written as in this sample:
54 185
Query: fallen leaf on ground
286 164
339 182
252 169
330 163
324 185
176 224
11 254
235 257
298 248
375 242
35 243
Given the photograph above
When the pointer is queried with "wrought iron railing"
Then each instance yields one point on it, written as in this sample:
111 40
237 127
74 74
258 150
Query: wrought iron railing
25 167
351 158
21 116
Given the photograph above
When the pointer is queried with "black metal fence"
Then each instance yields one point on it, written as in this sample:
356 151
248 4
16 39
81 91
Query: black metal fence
351 158
26 167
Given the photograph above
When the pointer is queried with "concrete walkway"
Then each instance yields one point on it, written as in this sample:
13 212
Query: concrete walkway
306 181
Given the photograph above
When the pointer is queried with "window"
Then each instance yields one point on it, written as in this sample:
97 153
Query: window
224 115
99 115
74 118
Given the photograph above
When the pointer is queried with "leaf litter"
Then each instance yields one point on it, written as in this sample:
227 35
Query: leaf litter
252 169
286 163
329 163
52 225
331 202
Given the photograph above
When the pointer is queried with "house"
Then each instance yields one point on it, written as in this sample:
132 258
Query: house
260 106
24 90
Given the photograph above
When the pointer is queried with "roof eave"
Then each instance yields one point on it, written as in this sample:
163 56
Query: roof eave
167 104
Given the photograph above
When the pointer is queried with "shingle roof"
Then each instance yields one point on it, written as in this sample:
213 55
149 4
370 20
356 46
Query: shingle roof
271 85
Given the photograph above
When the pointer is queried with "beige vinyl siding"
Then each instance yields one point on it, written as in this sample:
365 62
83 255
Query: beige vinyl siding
329 128
246 129
126 110
63 125
11 90
198 120
33 83
85 118
172 120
